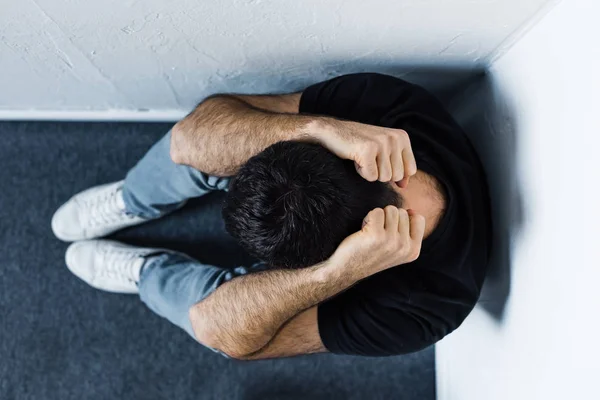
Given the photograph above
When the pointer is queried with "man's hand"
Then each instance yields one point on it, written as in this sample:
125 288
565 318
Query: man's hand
243 315
383 154
389 237
224 131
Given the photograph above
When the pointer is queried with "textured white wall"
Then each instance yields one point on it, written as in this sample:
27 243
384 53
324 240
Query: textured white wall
547 345
165 55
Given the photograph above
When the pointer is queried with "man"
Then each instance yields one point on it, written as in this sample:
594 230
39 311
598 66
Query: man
295 202
403 281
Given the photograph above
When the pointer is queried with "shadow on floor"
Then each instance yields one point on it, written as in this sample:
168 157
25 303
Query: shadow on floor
490 123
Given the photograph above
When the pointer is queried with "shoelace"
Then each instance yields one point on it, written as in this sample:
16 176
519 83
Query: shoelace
120 263
104 209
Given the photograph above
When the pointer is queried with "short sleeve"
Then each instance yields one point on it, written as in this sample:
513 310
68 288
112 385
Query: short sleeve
364 97
386 317
390 102
369 98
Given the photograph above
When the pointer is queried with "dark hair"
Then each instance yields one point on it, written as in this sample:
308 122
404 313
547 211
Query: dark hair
293 204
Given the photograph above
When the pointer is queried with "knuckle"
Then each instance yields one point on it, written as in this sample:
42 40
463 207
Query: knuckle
371 239
402 134
389 138
415 254
382 142
393 140
379 236
390 243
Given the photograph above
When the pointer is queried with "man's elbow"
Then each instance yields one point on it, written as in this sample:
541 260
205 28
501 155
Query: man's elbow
207 333
204 330
178 143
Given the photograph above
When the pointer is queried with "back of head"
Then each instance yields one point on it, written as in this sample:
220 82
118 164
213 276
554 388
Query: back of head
294 203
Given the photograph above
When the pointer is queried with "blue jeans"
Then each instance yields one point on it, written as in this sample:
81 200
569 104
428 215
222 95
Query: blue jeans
171 283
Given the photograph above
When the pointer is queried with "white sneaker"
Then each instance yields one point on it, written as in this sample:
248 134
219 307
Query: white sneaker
108 265
93 213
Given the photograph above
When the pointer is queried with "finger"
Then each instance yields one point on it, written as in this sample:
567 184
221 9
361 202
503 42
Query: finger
410 164
417 225
403 223
403 183
397 164
385 166
410 167
367 165
375 219
391 218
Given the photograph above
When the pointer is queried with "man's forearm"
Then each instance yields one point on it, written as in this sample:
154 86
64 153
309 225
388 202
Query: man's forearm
223 132
244 314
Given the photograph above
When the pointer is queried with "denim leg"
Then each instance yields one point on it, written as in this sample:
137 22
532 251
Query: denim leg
156 185
171 283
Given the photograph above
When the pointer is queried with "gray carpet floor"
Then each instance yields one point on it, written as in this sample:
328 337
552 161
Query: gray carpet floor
60 339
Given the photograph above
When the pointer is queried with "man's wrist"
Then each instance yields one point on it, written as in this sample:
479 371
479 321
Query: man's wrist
324 272
317 127
336 270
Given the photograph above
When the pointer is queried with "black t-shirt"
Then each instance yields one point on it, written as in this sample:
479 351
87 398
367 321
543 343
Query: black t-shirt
411 306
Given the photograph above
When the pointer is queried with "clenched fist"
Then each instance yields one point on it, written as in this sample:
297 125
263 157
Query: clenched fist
383 154
389 237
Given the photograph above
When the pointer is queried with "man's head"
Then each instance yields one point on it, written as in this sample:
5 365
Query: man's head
294 203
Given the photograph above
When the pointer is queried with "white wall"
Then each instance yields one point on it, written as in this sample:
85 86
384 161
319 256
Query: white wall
163 56
547 345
